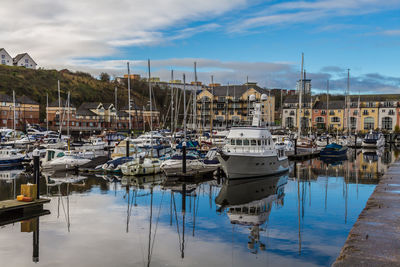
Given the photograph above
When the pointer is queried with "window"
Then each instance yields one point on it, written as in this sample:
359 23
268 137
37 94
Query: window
238 142
368 123
353 123
232 142
332 112
355 112
391 112
3 56
335 119
26 60
323 112
365 112
387 123
246 142
3 61
253 142
319 119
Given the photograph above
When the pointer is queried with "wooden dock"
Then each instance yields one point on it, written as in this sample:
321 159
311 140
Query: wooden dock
304 155
9 206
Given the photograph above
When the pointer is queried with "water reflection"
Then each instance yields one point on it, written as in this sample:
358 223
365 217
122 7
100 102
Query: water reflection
301 218
249 203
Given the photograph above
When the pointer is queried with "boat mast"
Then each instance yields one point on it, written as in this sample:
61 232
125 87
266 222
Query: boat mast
14 128
358 113
226 107
59 106
212 106
69 95
234 101
348 102
172 104
47 112
327 105
194 96
129 98
184 107
300 89
151 109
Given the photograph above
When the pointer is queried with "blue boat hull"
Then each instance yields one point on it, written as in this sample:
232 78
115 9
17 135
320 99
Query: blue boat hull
11 163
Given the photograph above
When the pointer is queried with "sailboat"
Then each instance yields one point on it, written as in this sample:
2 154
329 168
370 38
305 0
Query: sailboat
193 164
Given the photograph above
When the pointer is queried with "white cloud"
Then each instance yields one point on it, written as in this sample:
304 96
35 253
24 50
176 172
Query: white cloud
293 12
391 32
55 31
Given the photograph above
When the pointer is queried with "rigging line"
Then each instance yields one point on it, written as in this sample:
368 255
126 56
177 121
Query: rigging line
177 222
196 211
150 226
155 229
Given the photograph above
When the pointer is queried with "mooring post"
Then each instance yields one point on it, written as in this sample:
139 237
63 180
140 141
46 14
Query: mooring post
36 170
184 157
127 147
35 252
295 146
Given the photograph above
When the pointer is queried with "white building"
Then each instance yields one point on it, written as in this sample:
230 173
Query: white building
24 60
289 116
5 58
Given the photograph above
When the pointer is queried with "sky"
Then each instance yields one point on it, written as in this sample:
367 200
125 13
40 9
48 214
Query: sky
229 39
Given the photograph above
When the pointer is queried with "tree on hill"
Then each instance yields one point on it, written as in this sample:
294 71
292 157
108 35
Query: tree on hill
104 77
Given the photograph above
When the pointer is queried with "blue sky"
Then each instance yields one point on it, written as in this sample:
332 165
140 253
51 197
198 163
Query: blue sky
230 39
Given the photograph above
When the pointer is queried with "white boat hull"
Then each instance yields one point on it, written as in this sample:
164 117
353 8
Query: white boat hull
193 167
238 166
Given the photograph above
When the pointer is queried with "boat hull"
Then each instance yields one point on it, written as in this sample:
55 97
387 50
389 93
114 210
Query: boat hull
193 167
244 166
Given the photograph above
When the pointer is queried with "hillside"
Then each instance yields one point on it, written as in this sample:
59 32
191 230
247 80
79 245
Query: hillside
83 87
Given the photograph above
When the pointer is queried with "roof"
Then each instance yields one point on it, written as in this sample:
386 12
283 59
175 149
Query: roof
295 99
5 98
337 104
121 113
236 90
63 103
89 105
383 97
84 111
20 56
26 100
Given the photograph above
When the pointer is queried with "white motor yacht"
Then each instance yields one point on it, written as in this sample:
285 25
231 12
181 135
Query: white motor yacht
373 140
251 152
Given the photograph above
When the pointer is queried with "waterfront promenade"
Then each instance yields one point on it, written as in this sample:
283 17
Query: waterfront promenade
374 239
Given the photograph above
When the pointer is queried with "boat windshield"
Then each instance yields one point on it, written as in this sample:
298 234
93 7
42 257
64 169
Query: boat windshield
371 136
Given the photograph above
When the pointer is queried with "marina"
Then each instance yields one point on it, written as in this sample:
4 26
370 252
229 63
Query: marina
199 133
302 217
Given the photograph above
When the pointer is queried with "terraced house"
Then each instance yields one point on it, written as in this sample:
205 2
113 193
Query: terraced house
361 113
230 105
26 112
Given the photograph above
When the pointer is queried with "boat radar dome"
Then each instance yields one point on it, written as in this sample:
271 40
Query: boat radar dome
252 98
264 97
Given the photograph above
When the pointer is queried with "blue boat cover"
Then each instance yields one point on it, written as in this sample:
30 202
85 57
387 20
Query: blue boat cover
334 146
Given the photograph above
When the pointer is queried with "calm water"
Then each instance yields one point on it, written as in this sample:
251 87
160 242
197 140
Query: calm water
298 219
